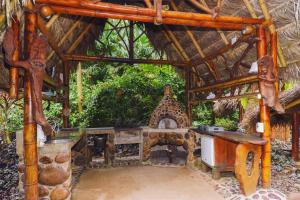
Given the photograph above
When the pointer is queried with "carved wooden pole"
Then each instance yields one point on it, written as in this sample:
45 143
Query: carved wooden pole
295 136
13 71
66 101
273 52
30 137
264 116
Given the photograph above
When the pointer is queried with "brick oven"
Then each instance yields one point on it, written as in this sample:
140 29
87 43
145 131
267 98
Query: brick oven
169 125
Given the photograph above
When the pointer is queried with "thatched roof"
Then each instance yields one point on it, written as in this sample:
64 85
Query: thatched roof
209 40
252 111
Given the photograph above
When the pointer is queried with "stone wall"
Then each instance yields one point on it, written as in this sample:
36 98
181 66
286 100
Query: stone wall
55 171
169 108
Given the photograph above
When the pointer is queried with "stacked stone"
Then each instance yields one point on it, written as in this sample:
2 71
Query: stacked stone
55 172
169 108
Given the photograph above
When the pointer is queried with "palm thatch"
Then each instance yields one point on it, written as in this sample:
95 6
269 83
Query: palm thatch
252 111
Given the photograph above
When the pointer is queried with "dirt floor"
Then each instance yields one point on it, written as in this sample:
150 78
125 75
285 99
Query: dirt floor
143 183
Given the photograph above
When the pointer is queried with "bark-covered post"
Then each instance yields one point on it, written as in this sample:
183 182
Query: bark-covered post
66 92
13 71
187 94
264 115
295 136
30 134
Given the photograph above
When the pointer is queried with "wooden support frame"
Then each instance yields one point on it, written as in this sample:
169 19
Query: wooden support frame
65 37
30 127
116 11
211 67
227 84
51 40
253 95
77 57
295 136
264 115
66 93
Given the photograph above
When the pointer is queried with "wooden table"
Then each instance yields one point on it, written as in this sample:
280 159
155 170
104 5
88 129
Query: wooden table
231 150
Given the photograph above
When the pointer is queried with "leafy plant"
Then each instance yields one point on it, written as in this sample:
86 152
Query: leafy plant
10 110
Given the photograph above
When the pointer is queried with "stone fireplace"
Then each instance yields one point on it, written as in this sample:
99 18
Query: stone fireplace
169 125
168 114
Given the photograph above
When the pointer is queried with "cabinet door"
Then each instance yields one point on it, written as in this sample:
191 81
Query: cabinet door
208 150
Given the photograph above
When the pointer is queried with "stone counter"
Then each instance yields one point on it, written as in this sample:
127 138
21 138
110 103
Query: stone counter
55 171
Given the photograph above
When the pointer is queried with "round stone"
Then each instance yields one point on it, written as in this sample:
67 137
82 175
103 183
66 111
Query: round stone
43 191
62 158
21 168
59 193
53 176
45 160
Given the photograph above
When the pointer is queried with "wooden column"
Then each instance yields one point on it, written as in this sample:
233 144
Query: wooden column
13 71
187 94
66 94
295 136
79 87
131 40
264 116
30 136
273 52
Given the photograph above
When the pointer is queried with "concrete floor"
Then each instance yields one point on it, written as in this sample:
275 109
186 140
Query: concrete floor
143 183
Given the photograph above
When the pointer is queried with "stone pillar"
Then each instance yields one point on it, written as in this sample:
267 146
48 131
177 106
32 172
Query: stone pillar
55 171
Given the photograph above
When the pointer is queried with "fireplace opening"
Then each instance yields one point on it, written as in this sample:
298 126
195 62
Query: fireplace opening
168 155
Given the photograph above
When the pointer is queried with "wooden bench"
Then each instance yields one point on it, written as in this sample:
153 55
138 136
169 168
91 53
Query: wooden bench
231 150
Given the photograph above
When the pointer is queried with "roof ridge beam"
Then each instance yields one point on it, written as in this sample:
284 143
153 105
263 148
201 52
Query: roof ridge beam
140 11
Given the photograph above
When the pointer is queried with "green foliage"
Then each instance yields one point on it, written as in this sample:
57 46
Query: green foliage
10 116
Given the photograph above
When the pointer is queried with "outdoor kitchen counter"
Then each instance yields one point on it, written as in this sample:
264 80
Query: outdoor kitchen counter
225 151
237 137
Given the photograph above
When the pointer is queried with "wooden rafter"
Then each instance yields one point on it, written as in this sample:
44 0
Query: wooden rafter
210 65
80 37
227 84
51 40
271 26
66 36
254 94
221 33
125 60
226 48
51 21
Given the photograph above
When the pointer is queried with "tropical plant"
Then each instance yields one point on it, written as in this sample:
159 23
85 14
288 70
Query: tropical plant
10 120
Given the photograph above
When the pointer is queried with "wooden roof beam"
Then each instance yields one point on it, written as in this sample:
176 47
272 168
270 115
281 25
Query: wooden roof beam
66 36
243 38
51 41
80 37
227 84
126 60
140 11
210 65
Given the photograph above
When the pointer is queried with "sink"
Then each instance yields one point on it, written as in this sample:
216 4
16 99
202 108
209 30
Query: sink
59 141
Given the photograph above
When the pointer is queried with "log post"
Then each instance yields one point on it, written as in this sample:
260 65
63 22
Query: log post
187 94
66 101
79 87
264 116
295 136
30 135
131 40
14 71
273 52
